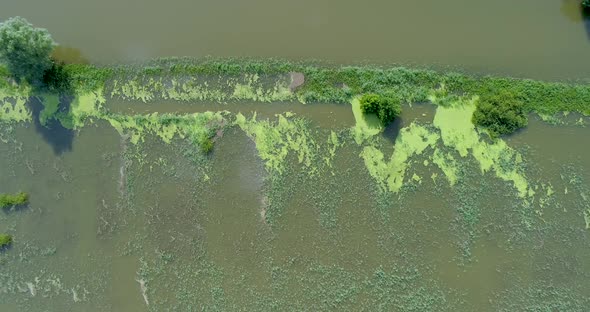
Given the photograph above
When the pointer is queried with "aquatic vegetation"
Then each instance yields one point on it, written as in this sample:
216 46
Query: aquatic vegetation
544 296
412 140
5 240
9 200
13 99
447 163
275 141
50 106
500 114
366 126
86 105
199 128
247 87
333 144
457 132
387 108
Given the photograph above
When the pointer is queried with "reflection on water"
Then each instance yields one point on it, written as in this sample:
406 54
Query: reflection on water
575 12
56 135
68 55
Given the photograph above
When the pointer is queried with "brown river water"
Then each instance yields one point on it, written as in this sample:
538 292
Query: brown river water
545 39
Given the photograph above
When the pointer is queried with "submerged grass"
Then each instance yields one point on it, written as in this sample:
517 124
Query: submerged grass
10 200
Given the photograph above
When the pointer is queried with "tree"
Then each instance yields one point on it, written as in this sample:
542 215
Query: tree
25 50
586 4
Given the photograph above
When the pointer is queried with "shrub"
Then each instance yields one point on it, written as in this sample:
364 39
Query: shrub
7 200
387 108
586 4
5 240
500 114
206 145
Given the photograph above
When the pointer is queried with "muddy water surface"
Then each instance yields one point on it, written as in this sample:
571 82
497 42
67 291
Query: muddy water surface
545 39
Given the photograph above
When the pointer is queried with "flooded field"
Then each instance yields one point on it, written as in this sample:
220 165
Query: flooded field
317 221
543 39
205 184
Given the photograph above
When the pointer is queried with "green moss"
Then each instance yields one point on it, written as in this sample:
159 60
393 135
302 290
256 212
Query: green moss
9 200
5 240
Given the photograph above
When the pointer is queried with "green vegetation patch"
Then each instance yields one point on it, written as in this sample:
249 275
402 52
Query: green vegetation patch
500 114
275 140
10 200
412 140
50 107
459 133
195 88
13 101
387 108
5 240
366 125
453 128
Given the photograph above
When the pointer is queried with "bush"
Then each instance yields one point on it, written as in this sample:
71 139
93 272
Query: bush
7 200
500 114
586 4
206 145
387 108
5 240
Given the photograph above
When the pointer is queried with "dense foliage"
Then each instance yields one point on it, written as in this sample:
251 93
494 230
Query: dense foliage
25 50
8 200
385 107
586 4
5 240
500 114
57 79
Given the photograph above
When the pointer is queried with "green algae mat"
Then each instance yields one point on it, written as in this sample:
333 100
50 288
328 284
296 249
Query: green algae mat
185 185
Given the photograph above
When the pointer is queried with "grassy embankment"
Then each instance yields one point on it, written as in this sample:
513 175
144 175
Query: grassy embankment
325 84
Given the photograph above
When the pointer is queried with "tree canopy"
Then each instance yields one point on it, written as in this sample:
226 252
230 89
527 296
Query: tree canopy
25 50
